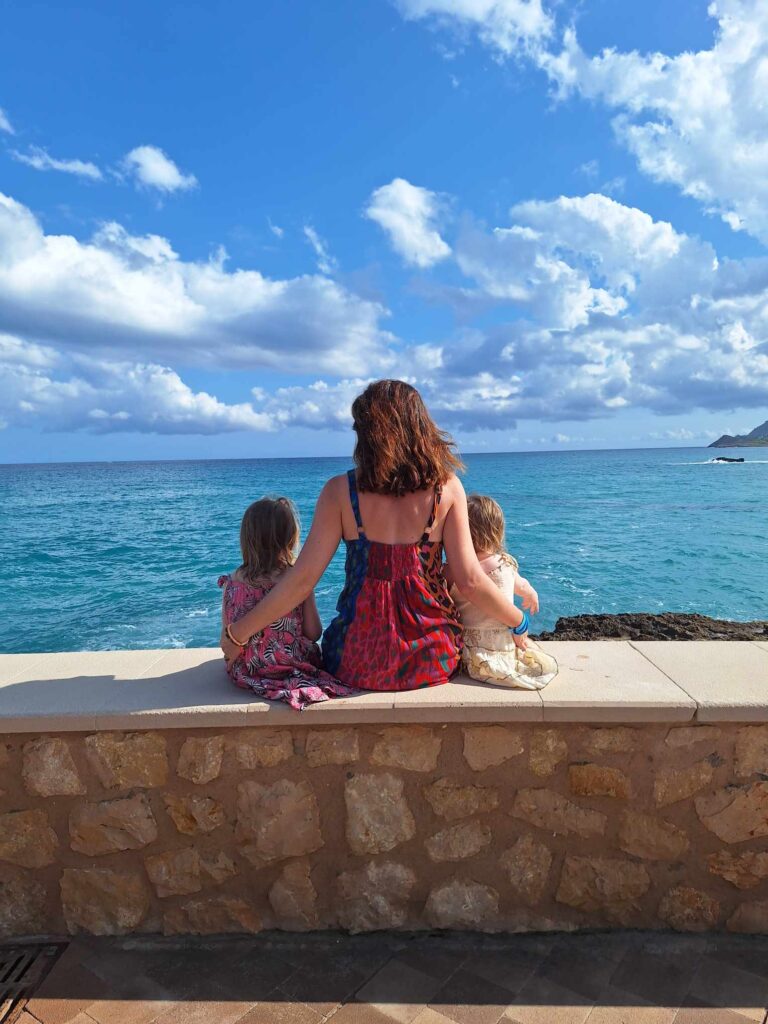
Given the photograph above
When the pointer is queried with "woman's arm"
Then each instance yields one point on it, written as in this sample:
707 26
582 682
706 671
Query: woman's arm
313 627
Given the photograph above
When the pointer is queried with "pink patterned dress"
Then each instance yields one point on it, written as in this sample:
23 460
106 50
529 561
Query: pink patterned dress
280 662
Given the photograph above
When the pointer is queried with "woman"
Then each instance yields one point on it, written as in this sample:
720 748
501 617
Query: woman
396 627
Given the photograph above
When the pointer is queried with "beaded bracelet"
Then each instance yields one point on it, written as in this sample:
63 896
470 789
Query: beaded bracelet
522 627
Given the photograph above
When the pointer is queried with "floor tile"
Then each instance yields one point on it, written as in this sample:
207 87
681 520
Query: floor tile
358 1013
69 989
543 1002
129 1011
509 969
617 1007
207 1012
657 978
430 1016
580 971
718 984
701 1013
282 1013
749 954
467 998
398 991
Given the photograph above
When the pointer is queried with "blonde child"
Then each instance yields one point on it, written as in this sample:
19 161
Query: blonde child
491 653
282 662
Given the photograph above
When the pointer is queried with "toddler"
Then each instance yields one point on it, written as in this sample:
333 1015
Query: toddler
282 662
490 653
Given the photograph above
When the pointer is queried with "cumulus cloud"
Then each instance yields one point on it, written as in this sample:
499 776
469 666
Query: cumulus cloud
409 215
326 264
150 167
43 161
5 123
507 26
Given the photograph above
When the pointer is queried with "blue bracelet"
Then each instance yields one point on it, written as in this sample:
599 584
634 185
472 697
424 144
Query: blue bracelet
522 628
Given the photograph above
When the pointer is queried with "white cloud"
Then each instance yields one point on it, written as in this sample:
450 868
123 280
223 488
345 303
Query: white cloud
507 26
409 215
276 230
5 124
42 161
326 264
152 168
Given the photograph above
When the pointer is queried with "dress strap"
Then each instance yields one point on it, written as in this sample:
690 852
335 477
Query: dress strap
355 501
432 515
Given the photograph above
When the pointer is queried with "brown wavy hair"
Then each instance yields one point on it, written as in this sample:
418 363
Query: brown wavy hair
399 447
269 536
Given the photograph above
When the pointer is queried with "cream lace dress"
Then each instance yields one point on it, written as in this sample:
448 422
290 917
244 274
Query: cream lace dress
490 654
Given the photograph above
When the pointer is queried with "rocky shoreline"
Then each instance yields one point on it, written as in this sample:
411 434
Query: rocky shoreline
646 626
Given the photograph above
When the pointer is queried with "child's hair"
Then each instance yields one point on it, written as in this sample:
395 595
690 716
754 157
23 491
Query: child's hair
269 535
486 525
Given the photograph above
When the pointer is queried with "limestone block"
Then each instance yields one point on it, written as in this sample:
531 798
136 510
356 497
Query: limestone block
103 902
488 745
451 800
750 918
616 740
175 873
735 813
604 884
192 813
332 746
463 904
599 780
378 816
527 864
689 910
751 753
744 870
293 898
278 820
673 784
109 825
22 904
375 897
212 915
644 836
200 759
219 868
458 842
135 760
27 839
261 748
687 735
553 812
413 748
548 750
48 769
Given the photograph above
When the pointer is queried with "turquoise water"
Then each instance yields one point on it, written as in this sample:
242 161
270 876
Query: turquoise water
115 555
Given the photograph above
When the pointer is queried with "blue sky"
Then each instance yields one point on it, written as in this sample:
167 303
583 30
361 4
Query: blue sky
217 223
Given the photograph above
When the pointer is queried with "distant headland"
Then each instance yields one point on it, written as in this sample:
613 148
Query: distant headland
757 438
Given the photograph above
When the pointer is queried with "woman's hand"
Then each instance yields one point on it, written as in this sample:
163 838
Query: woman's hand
231 651
528 594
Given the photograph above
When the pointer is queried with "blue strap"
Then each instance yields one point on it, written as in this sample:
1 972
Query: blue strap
355 501
523 627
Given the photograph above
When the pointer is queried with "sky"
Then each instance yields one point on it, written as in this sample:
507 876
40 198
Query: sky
218 222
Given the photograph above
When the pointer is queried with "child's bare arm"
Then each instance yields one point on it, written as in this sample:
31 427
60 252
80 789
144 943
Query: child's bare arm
313 627
530 598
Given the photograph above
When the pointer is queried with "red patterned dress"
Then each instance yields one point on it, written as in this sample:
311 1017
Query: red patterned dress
280 662
396 627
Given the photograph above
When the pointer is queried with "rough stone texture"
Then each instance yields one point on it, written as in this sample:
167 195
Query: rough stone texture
103 902
604 884
488 745
548 750
110 825
451 800
412 747
459 841
212 916
744 870
752 751
200 759
599 780
219 868
737 813
192 813
293 898
649 626
610 740
260 748
687 735
644 836
176 873
332 746
120 761
22 904
689 910
5 756
279 820
27 839
751 918
463 904
378 816
552 812
527 864
375 897
674 784
48 769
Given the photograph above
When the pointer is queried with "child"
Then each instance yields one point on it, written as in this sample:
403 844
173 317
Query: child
490 653
282 662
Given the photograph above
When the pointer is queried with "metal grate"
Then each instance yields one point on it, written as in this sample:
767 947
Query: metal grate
22 969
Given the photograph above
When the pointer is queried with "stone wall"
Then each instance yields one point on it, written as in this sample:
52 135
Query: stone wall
482 827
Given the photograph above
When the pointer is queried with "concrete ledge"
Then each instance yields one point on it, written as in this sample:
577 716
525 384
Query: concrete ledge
599 681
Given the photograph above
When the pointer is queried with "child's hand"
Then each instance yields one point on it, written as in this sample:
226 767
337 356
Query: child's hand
529 596
521 642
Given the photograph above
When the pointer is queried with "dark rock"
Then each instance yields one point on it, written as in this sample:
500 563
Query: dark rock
645 626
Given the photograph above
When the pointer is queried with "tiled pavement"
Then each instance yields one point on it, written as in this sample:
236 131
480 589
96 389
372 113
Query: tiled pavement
617 978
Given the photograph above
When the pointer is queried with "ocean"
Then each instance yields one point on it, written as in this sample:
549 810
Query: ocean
97 556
